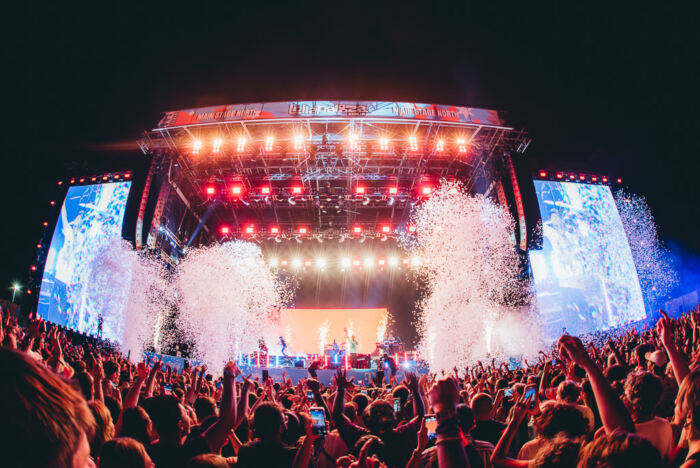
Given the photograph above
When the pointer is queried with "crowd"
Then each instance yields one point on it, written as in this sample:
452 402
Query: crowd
632 401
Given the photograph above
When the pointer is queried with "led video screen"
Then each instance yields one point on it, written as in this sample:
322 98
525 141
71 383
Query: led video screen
310 330
584 275
90 217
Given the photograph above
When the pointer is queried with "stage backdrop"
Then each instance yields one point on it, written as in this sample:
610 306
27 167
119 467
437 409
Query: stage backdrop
308 330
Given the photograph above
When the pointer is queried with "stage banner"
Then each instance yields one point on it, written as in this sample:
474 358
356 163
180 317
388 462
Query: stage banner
329 109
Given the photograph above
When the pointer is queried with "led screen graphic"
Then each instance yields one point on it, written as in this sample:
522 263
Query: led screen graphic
311 330
584 275
90 217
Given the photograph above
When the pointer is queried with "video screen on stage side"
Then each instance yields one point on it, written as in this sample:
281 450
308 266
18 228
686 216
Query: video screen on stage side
310 330
584 275
90 217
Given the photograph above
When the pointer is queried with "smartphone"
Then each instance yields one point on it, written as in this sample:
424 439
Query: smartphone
530 395
168 389
364 392
554 362
265 375
431 426
318 417
310 395
397 405
508 392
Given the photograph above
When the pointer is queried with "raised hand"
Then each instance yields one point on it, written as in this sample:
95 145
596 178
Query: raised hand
571 349
519 411
342 381
141 371
444 396
411 380
664 327
313 385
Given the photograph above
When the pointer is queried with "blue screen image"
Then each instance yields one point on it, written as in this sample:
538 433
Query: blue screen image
91 216
584 275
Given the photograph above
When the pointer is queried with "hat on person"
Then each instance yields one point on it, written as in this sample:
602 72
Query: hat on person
657 357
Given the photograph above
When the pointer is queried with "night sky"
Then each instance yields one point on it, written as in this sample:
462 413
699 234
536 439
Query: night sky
600 88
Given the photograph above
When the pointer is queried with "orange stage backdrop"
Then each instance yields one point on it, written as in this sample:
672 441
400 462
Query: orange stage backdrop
306 329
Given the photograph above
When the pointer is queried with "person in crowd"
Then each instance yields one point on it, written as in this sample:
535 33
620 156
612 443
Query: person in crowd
486 428
124 452
642 393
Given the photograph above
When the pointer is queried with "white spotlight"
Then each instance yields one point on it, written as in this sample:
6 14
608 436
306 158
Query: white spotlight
369 262
393 261
345 262
296 263
416 261
274 263
320 263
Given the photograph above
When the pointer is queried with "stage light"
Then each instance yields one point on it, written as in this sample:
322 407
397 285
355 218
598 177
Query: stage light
307 263
196 146
240 145
265 190
60 182
104 177
461 145
582 177
605 180
274 262
353 140
393 190
303 230
269 141
237 190
284 263
369 262
127 176
426 190
29 291
38 246
560 175
45 223
415 261
296 190
320 263
296 263
405 261
357 230
72 181
274 230
393 261
225 230
82 179
345 262
543 174
52 203
594 179
413 143
33 267
298 142
381 262
360 190
572 177
384 144
386 229
93 179
619 180
411 228
210 190
356 263
217 145
250 229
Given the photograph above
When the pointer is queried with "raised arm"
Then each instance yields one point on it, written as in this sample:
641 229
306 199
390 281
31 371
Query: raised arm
499 457
612 411
217 434
665 329
418 403
444 397
339 404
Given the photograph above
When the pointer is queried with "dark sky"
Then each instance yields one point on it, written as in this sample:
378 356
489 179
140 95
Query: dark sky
600 88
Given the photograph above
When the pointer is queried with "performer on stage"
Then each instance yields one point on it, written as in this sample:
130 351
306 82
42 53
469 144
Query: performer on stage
284 347
351 348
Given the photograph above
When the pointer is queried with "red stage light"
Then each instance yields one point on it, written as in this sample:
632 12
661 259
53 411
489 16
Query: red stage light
605 180
356 262
72 181
582 177
307 263
33 267
386 229
38 246
29 291
560 175
357 230
393 190
572 177
296 190
250 229
405 261
303 230
360 190
381 262
284 263
274 230
543 174
45 223
93 179
236 189
594 178
265 190
82 179
104 177
619 180
127 176
425 190
60 182
52 203
411 228
224 230
210 190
